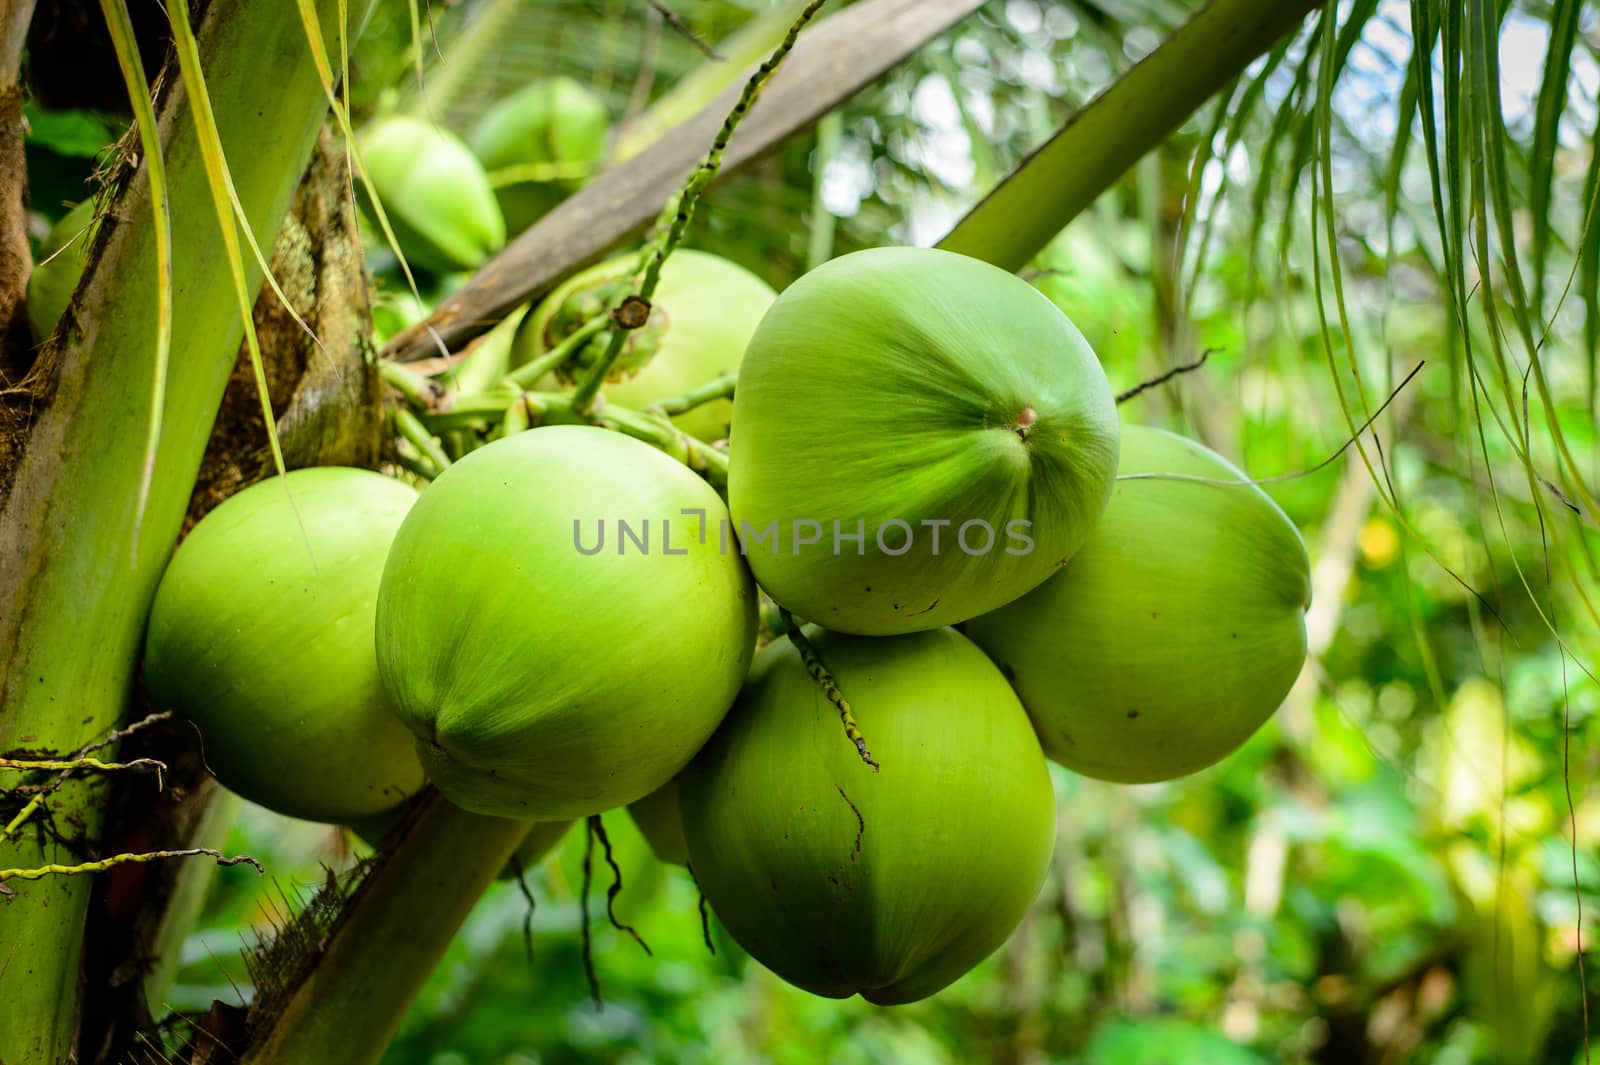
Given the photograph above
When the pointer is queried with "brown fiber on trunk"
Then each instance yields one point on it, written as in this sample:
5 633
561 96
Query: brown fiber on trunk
16 260
327 399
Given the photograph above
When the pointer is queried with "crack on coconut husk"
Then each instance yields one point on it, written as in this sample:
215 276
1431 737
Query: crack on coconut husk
861 822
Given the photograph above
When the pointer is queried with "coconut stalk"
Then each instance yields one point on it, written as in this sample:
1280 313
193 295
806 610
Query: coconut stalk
737 57
347 1003
79 559
836 58
1107 137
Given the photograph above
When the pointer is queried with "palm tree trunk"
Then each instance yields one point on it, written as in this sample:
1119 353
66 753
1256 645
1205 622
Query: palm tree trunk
78 564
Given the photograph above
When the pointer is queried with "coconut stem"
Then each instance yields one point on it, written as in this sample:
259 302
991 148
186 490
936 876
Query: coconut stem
560 408
557 356
830 687
413 431
717 388
418 390
1163 378
681 209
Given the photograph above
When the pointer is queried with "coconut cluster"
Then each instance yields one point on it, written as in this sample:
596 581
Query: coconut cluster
977 570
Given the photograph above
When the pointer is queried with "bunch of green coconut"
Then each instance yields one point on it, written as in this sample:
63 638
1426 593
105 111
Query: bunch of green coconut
925 468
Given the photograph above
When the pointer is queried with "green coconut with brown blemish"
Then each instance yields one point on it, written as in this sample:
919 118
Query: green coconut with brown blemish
844 881
918 437
1174 633
262 634
549 665
702 315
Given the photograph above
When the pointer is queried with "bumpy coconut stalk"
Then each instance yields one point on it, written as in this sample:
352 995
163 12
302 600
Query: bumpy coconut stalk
918 437
72 480
844 881
836 59
1174 633
701 318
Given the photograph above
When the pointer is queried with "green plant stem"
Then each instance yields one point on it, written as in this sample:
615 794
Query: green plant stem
68 517
418 436
830 687
418 390
686 201
745 47
819 246
717 388
418 465
560 408
391 934
1103 140
516 175
527 375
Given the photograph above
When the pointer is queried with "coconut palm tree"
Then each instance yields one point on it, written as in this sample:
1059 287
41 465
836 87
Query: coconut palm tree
1365 156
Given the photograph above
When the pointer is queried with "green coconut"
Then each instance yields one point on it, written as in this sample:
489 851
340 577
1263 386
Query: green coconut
62 259
262 635
552 661
1174 633
702 315
539 144
434 192
918 437
843 881
660 822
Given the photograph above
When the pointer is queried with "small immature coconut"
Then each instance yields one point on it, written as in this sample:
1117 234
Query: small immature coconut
262 635
559 625
843 881
660 821
702 315
62 259
1174 633
539 144
434 192
918 437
